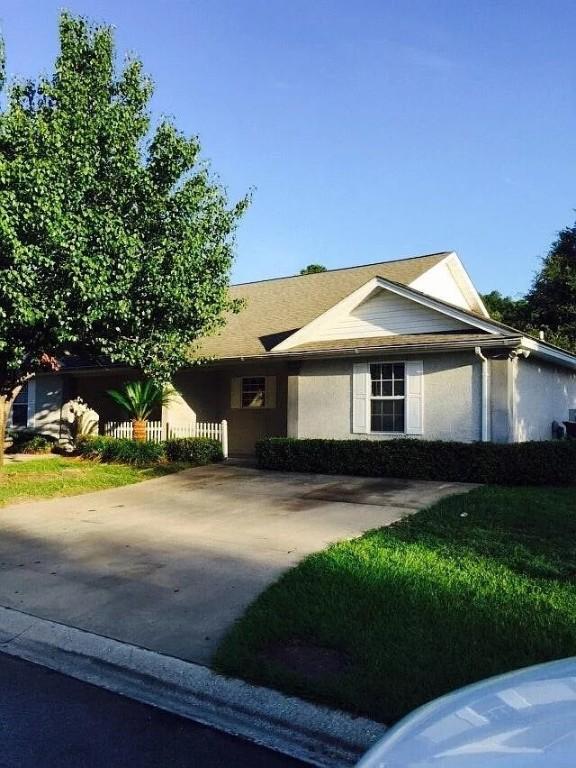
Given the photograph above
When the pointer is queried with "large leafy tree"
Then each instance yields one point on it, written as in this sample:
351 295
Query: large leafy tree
115 241
550 304
552 298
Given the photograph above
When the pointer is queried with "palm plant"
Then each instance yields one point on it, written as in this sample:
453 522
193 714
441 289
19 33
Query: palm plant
139 399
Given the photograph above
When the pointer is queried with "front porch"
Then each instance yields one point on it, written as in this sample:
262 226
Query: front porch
250 399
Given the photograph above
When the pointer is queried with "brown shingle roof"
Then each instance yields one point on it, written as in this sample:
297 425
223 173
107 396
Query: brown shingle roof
276 308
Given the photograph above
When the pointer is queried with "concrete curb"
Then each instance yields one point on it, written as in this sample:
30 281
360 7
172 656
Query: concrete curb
315 734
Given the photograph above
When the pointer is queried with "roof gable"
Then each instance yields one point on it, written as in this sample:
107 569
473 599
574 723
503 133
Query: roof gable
274 309
384 313
448 280
370 311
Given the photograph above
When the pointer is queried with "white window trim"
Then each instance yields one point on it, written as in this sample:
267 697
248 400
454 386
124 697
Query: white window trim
371 431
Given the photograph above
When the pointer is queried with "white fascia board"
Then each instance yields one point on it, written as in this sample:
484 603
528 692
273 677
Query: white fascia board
555 354
309 331
469 285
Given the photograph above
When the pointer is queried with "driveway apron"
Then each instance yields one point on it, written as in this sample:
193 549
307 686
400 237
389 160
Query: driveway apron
169 564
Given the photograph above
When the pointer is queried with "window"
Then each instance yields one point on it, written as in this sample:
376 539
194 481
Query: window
387 381
254 392
20 408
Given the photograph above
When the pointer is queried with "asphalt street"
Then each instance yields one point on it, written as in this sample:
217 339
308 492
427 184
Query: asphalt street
48 720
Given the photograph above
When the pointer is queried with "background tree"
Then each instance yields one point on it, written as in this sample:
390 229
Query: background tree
550 304
507 310
114 243
312 269
552 298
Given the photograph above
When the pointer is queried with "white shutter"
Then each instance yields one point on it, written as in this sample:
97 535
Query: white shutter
270 393
360 398
236 392
414 397
31 414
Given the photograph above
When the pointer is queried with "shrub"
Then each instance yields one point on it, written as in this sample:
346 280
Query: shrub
121 450
532 463
194 450
25 441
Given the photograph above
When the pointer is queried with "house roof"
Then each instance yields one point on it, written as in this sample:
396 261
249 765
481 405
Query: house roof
396 340
274 309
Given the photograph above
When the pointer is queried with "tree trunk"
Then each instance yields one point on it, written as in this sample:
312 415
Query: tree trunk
138 429
4 409
6 402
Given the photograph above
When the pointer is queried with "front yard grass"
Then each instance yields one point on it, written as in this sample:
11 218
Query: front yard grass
62 476
476 585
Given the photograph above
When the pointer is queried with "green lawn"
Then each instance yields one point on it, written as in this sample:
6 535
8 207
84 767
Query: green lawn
61 476
476 585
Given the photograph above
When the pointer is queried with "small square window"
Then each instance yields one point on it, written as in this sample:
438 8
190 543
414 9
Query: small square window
254 392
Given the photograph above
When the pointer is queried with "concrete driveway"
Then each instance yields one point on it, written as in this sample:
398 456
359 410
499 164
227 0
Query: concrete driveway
170 563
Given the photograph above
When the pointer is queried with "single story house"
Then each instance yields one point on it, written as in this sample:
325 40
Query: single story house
398 348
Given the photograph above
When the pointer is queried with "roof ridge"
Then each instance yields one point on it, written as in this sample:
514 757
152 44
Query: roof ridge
344 269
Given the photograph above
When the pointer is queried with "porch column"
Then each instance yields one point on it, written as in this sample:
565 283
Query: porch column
177 412
292 400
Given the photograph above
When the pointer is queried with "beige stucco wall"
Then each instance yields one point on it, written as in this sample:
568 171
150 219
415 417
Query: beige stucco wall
92 387
542 393
451 394
501 385
199 397
314 399
206 396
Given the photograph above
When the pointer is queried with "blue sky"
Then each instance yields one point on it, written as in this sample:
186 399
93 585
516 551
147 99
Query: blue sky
370 130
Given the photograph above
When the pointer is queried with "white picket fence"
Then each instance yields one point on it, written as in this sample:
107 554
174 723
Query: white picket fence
156 431
119 429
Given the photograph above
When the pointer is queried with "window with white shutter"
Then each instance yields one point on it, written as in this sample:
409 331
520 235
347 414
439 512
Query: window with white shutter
414 397
388 398
360 398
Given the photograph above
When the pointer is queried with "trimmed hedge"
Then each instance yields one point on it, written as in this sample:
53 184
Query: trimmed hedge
532 463
189 450
194 450
26 441
122 450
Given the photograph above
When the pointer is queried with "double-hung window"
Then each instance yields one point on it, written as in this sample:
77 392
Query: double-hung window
387 397
254 392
